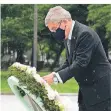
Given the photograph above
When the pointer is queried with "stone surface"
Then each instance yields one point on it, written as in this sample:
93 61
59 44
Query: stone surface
11 103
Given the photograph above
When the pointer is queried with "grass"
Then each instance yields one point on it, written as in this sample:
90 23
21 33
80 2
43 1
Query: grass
69 87
4 84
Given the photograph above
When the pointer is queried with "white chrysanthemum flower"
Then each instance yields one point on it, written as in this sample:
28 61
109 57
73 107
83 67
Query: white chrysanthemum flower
61 106
23 67
16 64
29 70
57 96
51 94
33 70
56 93
38 78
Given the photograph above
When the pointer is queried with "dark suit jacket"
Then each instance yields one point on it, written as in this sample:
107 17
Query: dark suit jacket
88 64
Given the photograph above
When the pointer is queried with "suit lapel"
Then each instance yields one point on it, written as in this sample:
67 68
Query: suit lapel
73 41
72 48
67 52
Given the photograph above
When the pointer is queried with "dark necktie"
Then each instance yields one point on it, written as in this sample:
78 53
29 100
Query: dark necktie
68 45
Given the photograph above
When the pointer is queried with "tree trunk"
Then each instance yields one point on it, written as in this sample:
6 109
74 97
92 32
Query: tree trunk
20 57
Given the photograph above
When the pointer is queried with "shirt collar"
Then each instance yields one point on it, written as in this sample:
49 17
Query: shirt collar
70 34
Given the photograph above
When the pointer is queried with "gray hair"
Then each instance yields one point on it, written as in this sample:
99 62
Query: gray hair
57 14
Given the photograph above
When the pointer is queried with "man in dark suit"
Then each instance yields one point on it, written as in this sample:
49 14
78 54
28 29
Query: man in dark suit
86 61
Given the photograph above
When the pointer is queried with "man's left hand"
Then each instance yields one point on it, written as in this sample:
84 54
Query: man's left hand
49 78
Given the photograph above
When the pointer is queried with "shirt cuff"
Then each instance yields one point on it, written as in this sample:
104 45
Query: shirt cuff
58 77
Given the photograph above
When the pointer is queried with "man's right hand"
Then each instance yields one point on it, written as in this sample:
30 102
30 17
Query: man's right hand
49 78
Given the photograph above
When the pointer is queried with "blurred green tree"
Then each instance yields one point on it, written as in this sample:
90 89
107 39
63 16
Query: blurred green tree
99 17
17 28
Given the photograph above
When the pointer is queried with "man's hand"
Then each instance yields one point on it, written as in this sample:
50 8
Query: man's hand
49 78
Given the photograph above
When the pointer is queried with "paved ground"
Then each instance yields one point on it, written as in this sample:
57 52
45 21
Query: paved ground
11 103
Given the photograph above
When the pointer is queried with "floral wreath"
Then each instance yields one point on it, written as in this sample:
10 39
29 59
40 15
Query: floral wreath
37 86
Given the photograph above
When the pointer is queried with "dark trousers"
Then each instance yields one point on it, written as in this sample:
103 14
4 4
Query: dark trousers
103 106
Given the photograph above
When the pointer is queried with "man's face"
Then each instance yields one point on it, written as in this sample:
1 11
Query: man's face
54 26
64 25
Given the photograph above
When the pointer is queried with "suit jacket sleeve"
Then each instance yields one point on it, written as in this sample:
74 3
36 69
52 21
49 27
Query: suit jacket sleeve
84 51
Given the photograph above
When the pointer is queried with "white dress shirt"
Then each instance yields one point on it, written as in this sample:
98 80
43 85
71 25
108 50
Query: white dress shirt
69 38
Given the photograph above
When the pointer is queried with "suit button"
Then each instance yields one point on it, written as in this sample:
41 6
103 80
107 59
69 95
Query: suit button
93 71
94 90
98 97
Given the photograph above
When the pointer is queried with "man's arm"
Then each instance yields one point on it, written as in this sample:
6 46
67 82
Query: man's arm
66 64
84 51
54 76
57 77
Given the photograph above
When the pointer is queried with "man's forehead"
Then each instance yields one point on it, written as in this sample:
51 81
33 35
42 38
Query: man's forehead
52 24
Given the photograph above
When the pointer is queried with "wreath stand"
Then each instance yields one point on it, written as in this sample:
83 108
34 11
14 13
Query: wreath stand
30 102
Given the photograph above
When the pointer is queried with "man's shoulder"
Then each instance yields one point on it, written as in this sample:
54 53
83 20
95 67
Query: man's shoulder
81 29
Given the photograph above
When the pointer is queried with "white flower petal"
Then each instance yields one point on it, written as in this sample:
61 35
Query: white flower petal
38 78
29 71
